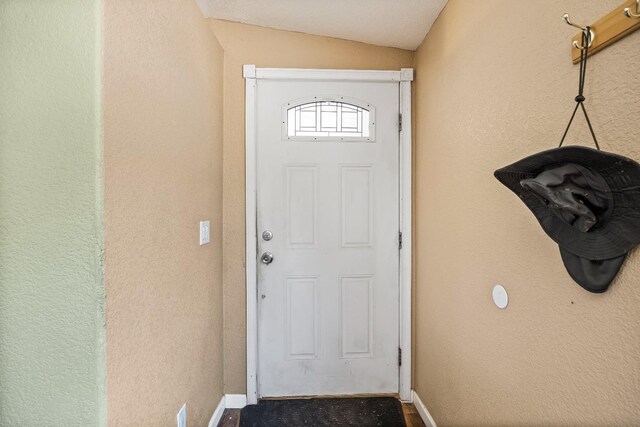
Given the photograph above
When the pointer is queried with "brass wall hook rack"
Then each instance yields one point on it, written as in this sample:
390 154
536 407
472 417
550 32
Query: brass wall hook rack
627 11
618 23
590 36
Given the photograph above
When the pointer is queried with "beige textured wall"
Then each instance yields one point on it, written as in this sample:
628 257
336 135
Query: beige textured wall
163 174
247 44
494 84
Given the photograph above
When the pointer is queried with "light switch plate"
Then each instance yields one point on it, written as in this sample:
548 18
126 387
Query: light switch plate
204 232
182 416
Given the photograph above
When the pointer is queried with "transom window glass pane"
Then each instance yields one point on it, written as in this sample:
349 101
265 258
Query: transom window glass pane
328 119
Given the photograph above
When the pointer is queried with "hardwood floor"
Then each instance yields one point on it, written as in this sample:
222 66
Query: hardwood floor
411 415
231 417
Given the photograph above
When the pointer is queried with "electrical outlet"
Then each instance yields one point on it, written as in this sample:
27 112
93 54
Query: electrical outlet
204 232
182 416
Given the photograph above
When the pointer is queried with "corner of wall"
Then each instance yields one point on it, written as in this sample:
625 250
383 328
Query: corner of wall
101 322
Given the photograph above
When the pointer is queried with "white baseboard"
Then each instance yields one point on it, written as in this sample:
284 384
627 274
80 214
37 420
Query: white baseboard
217 414
235 401
228 401
427 419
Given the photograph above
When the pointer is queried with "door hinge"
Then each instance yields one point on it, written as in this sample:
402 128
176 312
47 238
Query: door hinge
399 356
399 122
400 240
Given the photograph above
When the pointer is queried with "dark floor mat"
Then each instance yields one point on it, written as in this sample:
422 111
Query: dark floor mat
330 412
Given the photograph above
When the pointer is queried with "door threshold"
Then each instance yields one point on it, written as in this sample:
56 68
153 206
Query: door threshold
334 396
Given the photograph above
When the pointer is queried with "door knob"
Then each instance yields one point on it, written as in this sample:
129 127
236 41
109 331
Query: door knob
266 258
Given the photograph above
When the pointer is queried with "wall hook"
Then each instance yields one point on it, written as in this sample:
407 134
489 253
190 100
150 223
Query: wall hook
627 12
590 37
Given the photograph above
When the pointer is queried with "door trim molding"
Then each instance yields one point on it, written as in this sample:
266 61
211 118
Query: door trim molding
406 191
251 245
404 77
251 72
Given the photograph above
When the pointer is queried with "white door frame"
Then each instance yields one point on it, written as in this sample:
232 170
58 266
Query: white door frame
404 77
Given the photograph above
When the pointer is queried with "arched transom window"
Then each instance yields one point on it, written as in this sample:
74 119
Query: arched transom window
329 118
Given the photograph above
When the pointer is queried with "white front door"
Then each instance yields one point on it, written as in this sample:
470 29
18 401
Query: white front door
328 214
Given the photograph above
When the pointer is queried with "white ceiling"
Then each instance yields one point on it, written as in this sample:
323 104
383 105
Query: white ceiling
396 23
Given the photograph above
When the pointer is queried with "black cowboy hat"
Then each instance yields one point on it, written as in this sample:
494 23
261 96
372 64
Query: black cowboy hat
586 200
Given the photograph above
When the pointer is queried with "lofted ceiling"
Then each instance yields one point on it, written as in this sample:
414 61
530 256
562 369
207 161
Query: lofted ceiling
396 23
